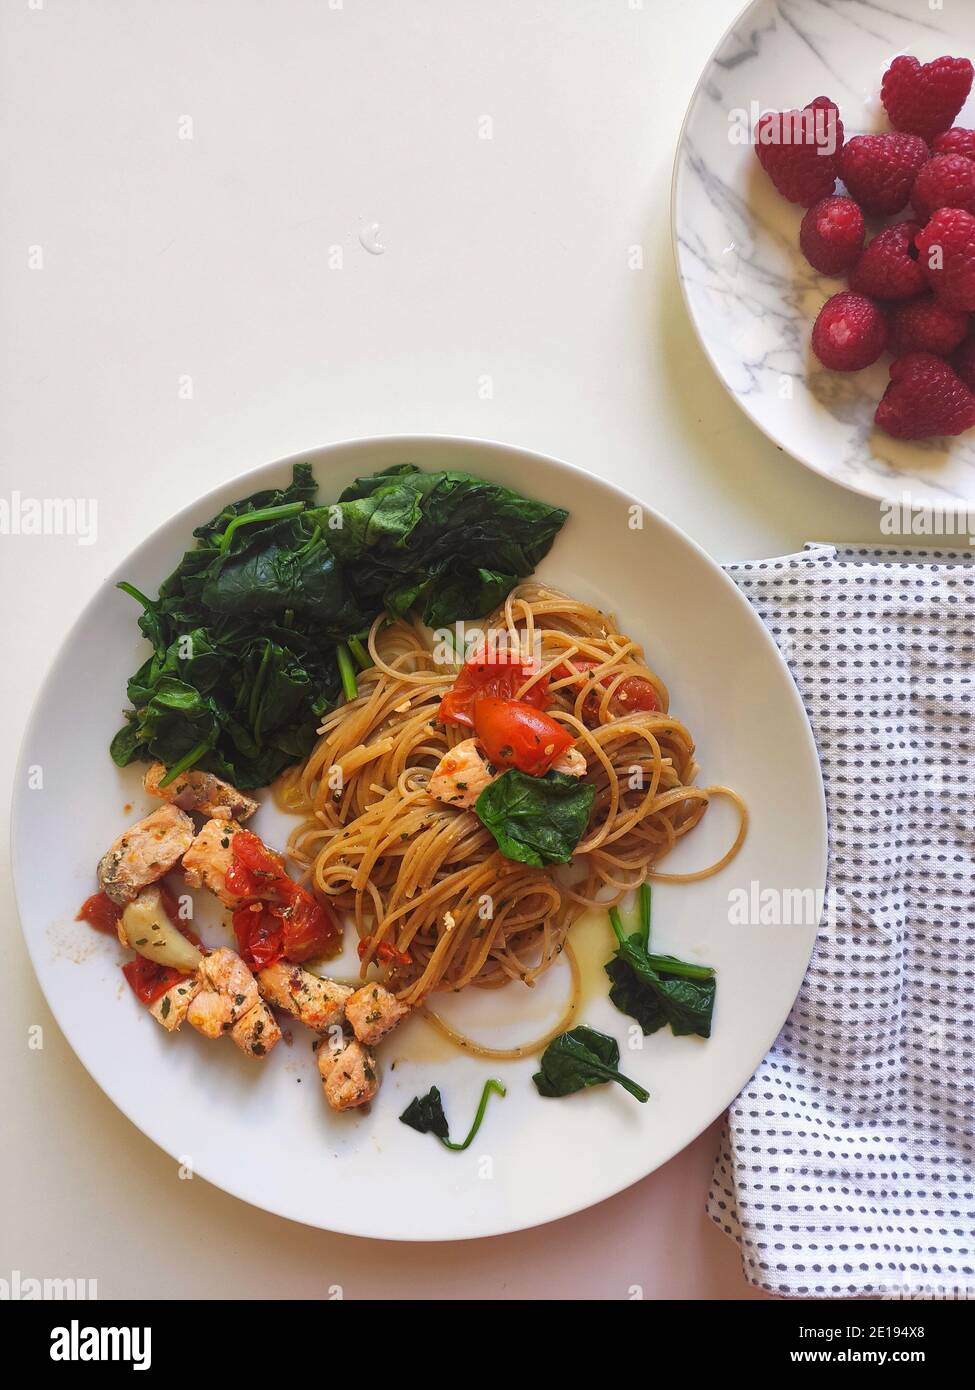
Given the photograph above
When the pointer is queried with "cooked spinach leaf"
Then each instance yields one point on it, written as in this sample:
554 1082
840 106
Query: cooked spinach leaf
426 1114
656 990
580 1058
249 632
447 543
537 820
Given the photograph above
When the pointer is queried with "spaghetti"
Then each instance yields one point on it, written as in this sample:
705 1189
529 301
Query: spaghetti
433 900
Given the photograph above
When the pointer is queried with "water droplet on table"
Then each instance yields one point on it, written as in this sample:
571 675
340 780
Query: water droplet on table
370 238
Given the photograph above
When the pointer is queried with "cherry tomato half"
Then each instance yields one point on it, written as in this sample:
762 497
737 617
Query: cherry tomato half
632 693
148 979
309 930
241 882
100 912
386 953
498 674
635 692
294 925
516 734
279 917
260 935
256 868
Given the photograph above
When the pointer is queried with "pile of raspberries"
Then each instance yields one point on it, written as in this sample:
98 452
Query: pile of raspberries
912 285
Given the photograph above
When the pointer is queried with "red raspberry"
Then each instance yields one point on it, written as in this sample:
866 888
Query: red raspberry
879 170
831 235
850 333
925 398
964 361
890 268
925 99
947 181
947 247
957 140
926 325
798 150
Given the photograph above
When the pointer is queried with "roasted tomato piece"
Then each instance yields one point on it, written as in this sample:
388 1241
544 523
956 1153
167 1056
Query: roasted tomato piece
497 674
260 935
257 864
282 918
632 693
515 734
386 952
309 930
636 692
149 980
100 912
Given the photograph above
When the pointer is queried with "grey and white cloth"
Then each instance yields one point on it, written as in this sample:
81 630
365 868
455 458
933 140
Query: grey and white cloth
847 1165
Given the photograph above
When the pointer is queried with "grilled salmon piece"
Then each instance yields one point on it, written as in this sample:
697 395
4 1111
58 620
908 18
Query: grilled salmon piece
257 1032
228 1002
208 858
348 1074
461 775
373 1011
313 1000
200 791
228 992
171 1008
571 763
144 853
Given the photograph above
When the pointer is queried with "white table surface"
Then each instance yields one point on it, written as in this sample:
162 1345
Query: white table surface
503 306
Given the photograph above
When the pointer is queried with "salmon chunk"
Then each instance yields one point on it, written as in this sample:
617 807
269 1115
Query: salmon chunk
313 1000
228 1002
228 992
571 763
208 858
171 1008
373 1012
348 1074
257 1032
200 791
144 853
461 775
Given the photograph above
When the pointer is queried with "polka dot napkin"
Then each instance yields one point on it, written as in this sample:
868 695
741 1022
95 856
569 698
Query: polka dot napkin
847 1166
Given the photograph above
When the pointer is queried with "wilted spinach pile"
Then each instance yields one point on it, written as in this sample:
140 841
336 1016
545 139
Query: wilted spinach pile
250 631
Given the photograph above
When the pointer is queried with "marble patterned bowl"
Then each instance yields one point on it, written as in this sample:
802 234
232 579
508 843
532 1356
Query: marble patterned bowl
751 294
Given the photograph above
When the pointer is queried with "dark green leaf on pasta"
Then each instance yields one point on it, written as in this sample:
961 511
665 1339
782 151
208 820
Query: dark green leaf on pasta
537 820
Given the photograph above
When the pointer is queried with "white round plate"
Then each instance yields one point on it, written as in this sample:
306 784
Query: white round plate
263 1132
751 294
